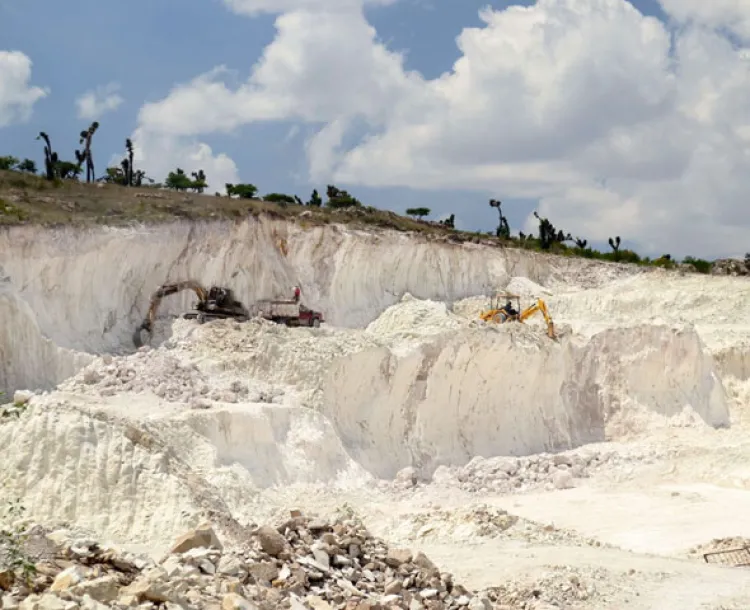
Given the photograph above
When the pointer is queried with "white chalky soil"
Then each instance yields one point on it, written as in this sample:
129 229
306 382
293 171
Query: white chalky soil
586 468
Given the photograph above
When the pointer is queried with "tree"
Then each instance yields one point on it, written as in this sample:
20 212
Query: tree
67 170
9 162
279 198
27 165
315 199
115 175
449 222
139 176
338 199
178 180
615 245
418 212
199 181
503 228
85 156
243 191
548 234
128 163
50 157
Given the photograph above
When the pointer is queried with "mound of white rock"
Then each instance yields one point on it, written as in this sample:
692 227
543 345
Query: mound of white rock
145 371
508 474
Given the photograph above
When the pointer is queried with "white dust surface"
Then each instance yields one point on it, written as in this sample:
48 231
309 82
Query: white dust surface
628 433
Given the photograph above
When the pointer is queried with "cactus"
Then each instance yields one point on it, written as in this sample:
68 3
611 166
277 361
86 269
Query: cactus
129 168
86 155
615 245
581 243
50 158
503 228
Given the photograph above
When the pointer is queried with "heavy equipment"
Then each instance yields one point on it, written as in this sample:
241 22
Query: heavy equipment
289 312
219 303
501 313
213 304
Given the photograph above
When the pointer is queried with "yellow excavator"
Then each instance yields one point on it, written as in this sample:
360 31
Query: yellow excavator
500 313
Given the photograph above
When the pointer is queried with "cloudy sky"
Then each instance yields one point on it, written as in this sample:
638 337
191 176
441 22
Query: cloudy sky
609 117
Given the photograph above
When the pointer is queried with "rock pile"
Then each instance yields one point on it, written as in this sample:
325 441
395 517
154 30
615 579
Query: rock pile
305 563
469 523
731 266
522 474
168 377
560 587
146 370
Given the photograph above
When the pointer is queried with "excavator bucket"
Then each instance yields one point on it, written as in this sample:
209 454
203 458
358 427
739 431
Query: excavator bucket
551 331
138 335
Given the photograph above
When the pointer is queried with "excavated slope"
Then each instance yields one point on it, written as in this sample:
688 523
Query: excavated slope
140 446
220 412
86 290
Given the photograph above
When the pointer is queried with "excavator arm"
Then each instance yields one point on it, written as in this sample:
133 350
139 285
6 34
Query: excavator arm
156 298
541 306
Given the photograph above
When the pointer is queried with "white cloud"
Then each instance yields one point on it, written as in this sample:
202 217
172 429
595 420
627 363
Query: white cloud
256 7
158 155
731 14
615 124
93 104
17 95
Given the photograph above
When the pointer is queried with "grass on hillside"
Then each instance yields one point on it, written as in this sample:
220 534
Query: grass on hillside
30 199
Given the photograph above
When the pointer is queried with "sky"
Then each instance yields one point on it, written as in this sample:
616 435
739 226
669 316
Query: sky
608 117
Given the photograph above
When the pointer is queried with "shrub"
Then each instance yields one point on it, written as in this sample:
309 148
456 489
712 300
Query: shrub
701 265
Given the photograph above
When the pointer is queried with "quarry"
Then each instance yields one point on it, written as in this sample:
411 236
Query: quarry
402 454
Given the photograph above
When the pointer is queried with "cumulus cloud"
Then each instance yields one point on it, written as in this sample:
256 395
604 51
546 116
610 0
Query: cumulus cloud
17 95
731 14
256 7
615 124
158 155
95 103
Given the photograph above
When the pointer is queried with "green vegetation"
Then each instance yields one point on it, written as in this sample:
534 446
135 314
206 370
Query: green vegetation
13 556
418 212
58 196
243 191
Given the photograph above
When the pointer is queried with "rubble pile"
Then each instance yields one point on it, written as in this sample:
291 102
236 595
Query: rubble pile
734 543
304 563
146 370
521 474
483 521
731 266
560 587
168 377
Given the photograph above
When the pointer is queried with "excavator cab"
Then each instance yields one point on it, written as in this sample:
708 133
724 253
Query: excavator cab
498 310
499 314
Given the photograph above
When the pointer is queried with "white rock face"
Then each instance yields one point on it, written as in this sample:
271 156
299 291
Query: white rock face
140 447
87 290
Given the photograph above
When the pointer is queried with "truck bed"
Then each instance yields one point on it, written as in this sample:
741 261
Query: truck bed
276 309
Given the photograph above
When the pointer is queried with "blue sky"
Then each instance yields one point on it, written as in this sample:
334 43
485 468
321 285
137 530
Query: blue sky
151 46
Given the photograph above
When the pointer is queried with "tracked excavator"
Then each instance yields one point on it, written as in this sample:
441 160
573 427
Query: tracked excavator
499 314
213 304
218 303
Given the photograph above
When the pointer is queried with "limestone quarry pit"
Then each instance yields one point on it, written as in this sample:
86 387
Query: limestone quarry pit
614 451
